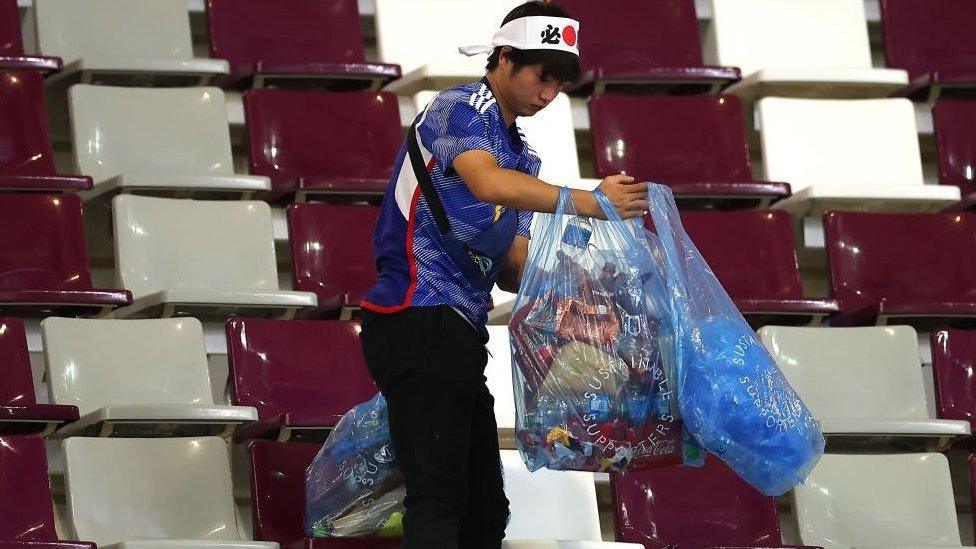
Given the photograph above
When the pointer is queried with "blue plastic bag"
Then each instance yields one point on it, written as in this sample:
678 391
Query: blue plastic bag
591 391
354 487
732 397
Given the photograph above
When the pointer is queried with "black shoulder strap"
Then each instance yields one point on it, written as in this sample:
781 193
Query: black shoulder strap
426 184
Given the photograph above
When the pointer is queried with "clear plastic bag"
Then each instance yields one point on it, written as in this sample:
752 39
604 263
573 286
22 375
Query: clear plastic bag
591 390
732 397
353 487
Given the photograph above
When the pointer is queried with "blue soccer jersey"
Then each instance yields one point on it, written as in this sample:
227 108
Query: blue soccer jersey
413 267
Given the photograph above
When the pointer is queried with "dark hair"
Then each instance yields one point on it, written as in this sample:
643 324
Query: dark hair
561 65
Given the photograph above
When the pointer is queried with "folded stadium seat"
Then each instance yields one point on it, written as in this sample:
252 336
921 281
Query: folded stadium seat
430 60
114 129
754 257
499 381
902 268
121 42
152 493
26 512
955 142
878 500
300 375
696 145
278 499
847 155
145 378
644 46
864 386
199 258
570 500
285 132
935 46
293 43
692 507
12 56
19 410
332 255
43 261
26 154
801 48
953 355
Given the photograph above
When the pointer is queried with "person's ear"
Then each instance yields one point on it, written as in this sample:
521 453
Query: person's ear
503 58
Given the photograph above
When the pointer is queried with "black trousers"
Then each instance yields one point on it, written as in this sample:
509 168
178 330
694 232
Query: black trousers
429 364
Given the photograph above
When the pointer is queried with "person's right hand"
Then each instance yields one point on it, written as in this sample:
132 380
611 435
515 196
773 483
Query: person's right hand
628 197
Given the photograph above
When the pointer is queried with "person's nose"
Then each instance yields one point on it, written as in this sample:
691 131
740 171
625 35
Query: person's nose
549 93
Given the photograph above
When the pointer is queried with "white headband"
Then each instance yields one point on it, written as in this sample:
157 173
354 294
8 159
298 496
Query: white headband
533 33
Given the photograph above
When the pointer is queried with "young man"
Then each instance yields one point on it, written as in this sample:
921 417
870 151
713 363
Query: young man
454 222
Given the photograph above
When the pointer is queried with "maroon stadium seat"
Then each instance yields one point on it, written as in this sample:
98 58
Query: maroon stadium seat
43 261
301 375
12 56
648 45
754 257
918 269
298 43
694 144
934 44
335 145
955 139
332 254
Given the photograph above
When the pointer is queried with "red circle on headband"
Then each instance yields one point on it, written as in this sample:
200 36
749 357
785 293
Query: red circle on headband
569 36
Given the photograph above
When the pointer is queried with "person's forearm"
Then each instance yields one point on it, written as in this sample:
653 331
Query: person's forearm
521 191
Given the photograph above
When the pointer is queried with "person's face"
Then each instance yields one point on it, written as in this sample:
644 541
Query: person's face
528 93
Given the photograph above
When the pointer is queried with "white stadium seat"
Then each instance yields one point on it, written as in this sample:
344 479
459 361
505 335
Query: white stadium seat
799 48
159 141
210 258
902 500
570 519
861 383
160 493
858 154
430 59
141 377
499 374
119 41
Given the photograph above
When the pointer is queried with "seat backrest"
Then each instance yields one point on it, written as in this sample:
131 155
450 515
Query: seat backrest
185 128
752 253
858 500
25 145
867 143
11 40
697 138
332 249
96 363
278 488
315 367
850 373
953 366
873 255
955 140
638 34
285 30
44 243
16 379
286 130
165 243
122 489
920 39
568 496
697 506
26 509
114 28
398 39
771 34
